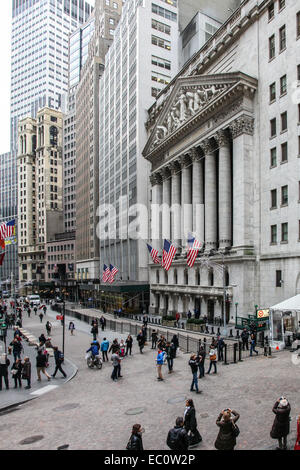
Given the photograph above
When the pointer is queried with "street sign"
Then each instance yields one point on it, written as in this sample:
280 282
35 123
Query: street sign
263 313
59 317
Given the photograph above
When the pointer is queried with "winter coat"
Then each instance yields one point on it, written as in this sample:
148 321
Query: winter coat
26 373
180 437
104 345
135 442
190 421
194 365
17 367
226 440
41 360
281 425
115 347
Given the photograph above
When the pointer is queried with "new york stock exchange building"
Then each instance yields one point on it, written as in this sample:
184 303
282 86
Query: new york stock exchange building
223 139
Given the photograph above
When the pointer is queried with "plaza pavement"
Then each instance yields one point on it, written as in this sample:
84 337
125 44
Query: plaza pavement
92 412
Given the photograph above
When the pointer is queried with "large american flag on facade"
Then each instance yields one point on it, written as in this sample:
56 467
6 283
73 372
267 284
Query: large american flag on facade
113 273
7 229
169 251
154 254
106 273
193 249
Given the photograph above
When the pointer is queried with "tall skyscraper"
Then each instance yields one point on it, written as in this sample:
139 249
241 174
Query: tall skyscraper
39 65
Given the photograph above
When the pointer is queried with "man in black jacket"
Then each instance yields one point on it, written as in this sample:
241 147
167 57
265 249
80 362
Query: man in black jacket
177 437
58 356
245 339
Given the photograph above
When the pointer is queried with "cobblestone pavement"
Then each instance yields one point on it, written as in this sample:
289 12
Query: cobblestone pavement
92 412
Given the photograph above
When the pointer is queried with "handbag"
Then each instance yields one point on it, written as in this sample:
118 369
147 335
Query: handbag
213 357
235 430
14 371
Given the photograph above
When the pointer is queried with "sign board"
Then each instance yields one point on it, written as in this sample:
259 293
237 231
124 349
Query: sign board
263 313
59 317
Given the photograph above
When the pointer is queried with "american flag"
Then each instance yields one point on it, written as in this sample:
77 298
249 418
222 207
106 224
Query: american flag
7 229
169 252
193 249
154 254
113 272
106 273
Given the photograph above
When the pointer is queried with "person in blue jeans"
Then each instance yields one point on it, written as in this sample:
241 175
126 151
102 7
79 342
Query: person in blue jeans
193 363
252 345
104 349
212 359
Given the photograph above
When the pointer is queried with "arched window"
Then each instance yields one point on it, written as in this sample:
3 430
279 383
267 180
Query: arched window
53 136
211 277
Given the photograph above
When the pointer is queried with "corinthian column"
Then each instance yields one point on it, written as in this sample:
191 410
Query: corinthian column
186 197
166 219
210 184
197 196
156 182
176 200
225 215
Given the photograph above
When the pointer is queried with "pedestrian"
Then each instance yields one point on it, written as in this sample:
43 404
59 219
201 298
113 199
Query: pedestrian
281 425
161 343
71 328
48 328
42 338
26 372
122 348
17 348
176 344
115 363
144 332
212 358
220 347
94 331
193 363
35 310
104 348
177 318
190 423
154 338
145 320
159 362
135 441
103 323
41 316
170 356
129 341
245 339
41 364
252 345
189 315
59 359
4 364
16 371
177 437
201 363
115 347
29 312
141 341
45 309
226 439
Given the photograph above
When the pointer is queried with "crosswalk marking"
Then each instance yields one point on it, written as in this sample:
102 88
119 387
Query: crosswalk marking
43 390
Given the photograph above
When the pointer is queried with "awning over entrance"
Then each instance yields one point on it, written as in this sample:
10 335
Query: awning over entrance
293 303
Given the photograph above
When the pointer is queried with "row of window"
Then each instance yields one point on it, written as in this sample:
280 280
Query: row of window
284 197
282 38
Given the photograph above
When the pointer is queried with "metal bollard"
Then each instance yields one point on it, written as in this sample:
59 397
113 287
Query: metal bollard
289 344
230 334
235 346
225 355
212 330
265 350
270 351
237 333
218 331
240 352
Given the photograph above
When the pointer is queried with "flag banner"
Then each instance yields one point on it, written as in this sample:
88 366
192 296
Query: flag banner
8 229
193 249
154 254
106 273
169 252
11 241
113 273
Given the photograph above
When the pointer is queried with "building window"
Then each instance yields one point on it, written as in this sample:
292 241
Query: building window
284 232
283 85
284 195
273 92
284 121
273 157
273 127
282 38
272 47
278 278
284 152
273 198
271 11
161 42
164 28
281 4
163 63
298 24
273 234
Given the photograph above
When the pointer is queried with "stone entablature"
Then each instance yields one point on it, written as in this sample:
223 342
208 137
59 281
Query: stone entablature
199 291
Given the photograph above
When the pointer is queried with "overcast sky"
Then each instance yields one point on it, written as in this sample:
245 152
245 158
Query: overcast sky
5 34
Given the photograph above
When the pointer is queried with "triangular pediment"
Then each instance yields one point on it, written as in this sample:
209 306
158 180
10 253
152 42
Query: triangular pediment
190 97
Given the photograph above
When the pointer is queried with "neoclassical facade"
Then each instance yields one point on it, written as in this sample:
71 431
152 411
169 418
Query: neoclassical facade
212 148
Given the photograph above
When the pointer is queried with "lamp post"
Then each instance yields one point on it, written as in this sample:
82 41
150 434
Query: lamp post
236 306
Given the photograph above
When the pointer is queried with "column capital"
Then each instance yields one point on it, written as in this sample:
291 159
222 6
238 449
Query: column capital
185 160
242 125
207 146
165 173
155 179
175 167
194 155
222 137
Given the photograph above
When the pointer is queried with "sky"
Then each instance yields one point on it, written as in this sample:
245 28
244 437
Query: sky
5 40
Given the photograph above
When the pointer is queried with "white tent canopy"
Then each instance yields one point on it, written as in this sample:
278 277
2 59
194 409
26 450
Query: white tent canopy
290 304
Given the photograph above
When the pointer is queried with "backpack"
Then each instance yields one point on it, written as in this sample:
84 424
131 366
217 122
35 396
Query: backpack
60 356
174 438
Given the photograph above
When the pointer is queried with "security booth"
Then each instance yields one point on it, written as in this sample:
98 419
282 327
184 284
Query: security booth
285 321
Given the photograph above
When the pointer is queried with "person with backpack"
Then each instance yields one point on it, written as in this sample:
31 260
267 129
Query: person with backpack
212 358
59 359
178 437
135 441
190 423
159 363
220 347
226 439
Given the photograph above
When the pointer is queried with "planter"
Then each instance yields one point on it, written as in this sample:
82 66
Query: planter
194 327
168 323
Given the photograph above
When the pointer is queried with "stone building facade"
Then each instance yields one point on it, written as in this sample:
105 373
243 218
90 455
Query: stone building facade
223 139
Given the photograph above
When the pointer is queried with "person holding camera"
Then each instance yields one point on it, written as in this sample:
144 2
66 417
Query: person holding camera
281 425
229 431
